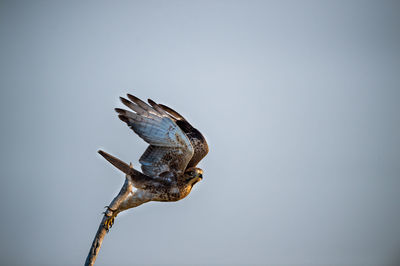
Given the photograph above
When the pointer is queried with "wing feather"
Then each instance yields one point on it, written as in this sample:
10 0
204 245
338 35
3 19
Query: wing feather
170 149
197 140
172 112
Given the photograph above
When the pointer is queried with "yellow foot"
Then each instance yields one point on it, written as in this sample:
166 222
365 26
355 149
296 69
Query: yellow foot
110 220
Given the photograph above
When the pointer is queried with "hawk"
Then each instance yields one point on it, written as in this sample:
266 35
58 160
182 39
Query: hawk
169 163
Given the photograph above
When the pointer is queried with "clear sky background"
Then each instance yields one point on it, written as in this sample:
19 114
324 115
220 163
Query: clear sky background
299 101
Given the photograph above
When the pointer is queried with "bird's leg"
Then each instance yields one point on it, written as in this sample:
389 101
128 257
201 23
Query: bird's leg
109 222
111 214
109 209
115 208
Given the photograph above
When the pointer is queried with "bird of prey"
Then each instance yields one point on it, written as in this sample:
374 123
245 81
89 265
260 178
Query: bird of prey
168 165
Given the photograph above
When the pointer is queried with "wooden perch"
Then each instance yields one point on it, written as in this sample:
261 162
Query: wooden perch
101 232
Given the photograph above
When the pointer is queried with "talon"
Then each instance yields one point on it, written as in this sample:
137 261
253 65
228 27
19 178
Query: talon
109 222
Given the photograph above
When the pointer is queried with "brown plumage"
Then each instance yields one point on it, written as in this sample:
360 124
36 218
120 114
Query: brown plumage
169 163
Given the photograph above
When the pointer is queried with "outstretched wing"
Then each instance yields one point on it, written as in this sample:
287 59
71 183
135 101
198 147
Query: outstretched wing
197 140
170 149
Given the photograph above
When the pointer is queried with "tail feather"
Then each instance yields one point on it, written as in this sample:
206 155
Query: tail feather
124 167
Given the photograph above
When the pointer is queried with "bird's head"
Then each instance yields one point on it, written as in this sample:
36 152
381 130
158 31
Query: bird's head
193 175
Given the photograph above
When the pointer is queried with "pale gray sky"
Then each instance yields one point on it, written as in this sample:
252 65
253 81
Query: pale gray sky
299 101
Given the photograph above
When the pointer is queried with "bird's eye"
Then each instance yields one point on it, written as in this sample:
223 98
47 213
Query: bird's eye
191 173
